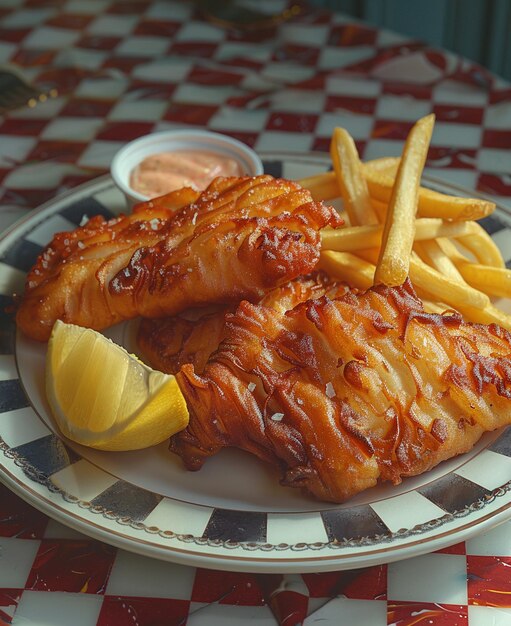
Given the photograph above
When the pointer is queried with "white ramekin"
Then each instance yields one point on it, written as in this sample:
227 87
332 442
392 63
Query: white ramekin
135 151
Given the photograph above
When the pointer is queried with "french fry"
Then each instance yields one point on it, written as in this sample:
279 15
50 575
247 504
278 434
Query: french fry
348 170
370 255
433 228
322 186
431 252
489 315
494 281
359 273
452 251
383 164
399 228
434 307
482 246
325 186
479 243
353 238
444 290
348 267
431 203
380 209
379 182
472 237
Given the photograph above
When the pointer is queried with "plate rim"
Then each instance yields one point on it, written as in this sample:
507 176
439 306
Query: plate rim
235 563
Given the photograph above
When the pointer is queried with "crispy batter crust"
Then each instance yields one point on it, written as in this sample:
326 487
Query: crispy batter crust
339 394
239 238
170 342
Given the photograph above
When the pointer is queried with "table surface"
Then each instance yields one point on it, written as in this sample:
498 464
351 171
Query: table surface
126 68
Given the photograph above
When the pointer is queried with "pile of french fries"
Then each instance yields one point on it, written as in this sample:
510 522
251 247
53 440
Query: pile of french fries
396 228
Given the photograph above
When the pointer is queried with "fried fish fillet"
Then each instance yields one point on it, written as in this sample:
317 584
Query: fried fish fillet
239 238
340 394
169 343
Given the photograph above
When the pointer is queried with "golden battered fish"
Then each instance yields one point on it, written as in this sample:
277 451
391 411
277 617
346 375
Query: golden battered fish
238 239
191 337
341 393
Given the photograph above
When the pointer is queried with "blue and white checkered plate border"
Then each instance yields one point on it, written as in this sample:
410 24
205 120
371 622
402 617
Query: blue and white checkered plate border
232 514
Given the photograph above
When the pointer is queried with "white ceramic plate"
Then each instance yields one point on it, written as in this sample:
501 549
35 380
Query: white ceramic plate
232 514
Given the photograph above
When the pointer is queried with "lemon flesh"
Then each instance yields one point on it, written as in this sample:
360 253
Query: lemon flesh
103 397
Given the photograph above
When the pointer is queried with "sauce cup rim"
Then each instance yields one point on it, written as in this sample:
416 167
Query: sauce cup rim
134 151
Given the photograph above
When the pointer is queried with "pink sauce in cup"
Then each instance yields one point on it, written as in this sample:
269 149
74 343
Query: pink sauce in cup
161 173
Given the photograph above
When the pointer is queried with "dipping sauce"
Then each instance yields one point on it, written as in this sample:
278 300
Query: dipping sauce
160 173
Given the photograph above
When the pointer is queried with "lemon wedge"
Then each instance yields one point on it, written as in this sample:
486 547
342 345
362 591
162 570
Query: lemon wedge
103 397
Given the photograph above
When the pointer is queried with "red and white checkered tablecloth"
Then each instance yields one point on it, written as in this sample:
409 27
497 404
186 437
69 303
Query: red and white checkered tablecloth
51 575
124 68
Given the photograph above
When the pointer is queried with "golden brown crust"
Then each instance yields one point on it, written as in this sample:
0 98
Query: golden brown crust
168 343
339 394
191 337
236 240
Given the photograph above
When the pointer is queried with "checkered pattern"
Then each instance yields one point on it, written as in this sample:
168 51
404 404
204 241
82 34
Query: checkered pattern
51 574
124 69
